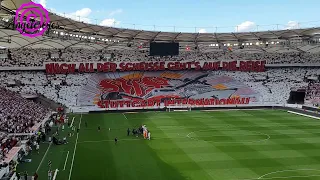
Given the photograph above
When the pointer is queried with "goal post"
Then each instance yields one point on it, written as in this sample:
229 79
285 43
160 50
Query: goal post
184 108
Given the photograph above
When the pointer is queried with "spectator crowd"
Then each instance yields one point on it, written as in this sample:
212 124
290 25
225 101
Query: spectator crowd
17 114
273 85
37 57
313 93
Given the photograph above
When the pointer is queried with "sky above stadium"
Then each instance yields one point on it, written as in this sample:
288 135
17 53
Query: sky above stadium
192 15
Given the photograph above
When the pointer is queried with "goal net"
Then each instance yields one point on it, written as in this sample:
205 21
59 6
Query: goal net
181 108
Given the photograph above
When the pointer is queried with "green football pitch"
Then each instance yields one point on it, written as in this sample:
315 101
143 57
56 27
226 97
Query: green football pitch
194 145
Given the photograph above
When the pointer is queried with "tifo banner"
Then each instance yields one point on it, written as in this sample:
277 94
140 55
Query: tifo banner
152 89
66 68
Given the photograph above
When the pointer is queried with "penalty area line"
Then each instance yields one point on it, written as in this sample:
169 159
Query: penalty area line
72 122
44 156
65 163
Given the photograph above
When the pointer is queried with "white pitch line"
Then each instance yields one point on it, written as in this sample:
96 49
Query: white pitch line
125 116
55 174
286 177
305 115
186 137
219 126
232 110
45 154
74 151
290 170
65 163
72 122
109 140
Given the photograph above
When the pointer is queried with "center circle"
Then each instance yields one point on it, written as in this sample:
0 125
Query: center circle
228 136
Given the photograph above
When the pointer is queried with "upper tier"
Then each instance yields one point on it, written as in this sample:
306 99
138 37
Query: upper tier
37 57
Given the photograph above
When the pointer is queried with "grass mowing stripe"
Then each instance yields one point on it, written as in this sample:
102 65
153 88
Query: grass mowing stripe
45 154
65 163
296 141
293 145
186 120
74 151
249 163
186 159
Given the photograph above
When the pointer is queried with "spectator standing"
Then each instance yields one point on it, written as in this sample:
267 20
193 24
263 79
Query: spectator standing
35 176
49 175
26 175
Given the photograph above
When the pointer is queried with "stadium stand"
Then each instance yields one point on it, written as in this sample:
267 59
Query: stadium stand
274 85
18 115
38 82
313 93
36 57
71 43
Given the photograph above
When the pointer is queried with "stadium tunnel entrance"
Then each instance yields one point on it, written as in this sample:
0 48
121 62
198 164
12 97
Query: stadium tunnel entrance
297 97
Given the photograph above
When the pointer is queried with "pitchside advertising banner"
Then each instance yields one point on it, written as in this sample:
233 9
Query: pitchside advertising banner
89 67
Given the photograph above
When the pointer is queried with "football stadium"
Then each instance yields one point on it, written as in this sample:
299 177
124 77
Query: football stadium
84 99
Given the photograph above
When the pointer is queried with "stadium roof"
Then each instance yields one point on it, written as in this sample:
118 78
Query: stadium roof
121 37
